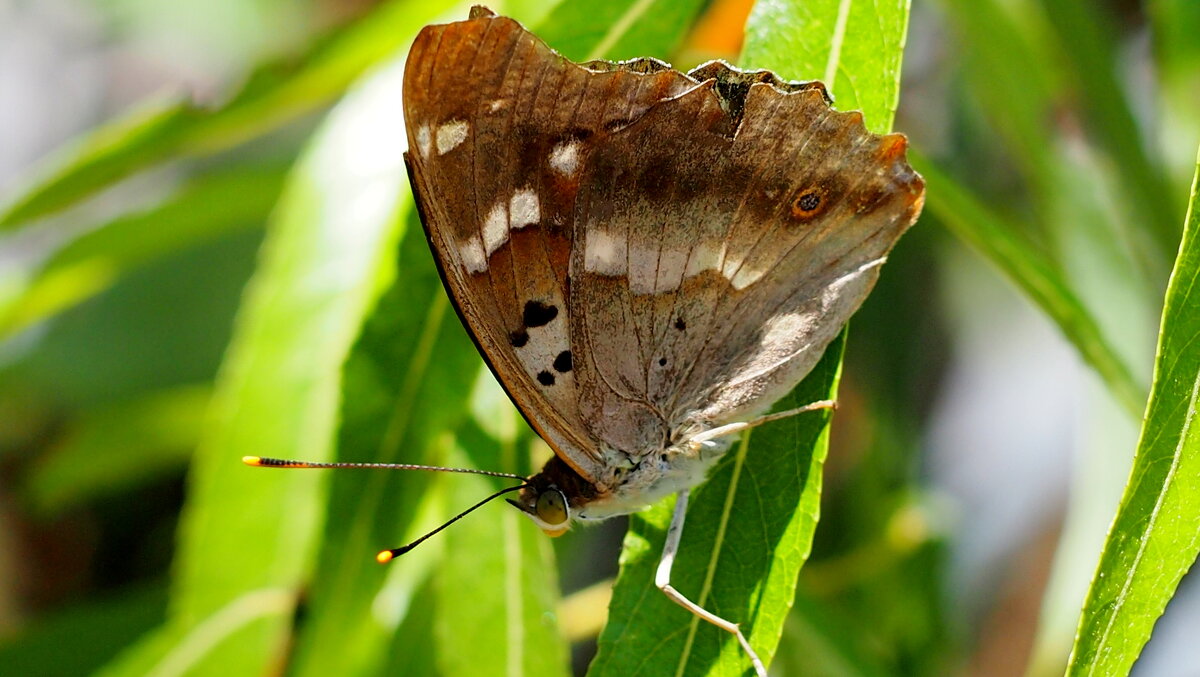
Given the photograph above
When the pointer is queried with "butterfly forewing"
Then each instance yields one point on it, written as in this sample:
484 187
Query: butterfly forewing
500 131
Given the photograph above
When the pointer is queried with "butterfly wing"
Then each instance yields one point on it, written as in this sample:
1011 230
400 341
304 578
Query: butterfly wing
721 242
499 129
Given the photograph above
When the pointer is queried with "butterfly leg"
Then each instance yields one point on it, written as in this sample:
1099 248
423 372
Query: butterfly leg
662 579
735 428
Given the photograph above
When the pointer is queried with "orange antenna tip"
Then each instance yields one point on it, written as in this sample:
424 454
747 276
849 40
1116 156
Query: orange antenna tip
384 557
252 460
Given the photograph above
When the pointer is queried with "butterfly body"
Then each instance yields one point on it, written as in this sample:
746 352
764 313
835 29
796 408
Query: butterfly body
635 481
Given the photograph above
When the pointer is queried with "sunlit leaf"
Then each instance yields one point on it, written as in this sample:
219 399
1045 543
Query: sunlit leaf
248 535
1155 536
406 382
497 589
855 48
620 29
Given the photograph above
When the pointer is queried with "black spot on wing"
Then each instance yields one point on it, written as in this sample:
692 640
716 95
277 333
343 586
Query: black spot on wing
518 338
545 378
562 363
538 314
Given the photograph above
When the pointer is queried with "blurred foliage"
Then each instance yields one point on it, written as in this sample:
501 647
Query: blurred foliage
191 282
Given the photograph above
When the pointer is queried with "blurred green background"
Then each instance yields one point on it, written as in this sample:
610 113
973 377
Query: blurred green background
208 250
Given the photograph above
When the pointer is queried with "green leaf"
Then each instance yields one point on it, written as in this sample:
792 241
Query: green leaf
497 588
749 530
204 210
619 29
407 381
750 526
998 242
248 535
273 95
855 48
1155 536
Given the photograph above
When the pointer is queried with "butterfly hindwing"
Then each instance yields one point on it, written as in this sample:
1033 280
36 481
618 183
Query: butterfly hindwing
717 254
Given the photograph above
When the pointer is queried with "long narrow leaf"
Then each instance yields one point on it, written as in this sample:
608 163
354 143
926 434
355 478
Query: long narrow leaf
750 526
1155 536
985 232
618 29
497 588
749 530
855 48
247 536
407 381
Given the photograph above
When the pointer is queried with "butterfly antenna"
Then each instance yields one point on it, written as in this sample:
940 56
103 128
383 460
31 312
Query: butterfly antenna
388 555
259 461
734 428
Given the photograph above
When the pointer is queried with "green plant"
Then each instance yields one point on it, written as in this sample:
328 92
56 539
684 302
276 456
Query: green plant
290 207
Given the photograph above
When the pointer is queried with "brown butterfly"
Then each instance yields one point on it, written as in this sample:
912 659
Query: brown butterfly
647 259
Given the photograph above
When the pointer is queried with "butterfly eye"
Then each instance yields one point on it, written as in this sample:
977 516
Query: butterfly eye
552 507
806 204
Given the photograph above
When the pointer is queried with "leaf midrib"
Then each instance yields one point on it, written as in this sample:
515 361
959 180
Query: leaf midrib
835 42
618 29
710 572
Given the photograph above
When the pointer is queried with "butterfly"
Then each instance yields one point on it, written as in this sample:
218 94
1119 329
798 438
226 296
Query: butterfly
646 259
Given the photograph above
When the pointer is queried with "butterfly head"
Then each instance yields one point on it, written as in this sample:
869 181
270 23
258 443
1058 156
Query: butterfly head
559 495
553 497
